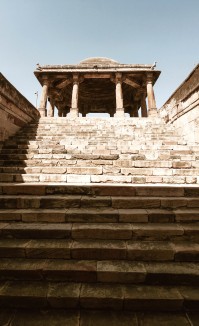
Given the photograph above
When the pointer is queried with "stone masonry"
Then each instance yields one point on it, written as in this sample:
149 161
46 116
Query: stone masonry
99 223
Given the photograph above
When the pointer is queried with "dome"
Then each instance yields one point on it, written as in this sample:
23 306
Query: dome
98 60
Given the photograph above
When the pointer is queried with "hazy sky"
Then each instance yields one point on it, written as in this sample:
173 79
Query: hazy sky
129 31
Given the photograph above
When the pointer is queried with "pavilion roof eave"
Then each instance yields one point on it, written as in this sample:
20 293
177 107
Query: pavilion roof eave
90 66
53 72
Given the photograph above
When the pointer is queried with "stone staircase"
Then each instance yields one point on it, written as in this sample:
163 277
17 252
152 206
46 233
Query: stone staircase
93 254
87 150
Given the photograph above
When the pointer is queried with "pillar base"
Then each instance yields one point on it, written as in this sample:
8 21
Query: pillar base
152 112
74 113
119 113
42 112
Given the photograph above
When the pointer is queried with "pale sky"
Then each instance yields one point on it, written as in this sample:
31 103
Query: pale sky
129 31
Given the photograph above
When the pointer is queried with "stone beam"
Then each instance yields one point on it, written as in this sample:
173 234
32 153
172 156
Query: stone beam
97 75
64 83
131 83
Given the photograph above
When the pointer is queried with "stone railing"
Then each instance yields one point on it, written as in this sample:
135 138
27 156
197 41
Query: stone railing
182 108
15 110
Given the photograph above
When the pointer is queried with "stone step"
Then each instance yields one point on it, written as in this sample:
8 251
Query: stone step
136 177
116 202
85 166
102 271
129 250
93 214
114 231
125 230
64 295
84 317
100 190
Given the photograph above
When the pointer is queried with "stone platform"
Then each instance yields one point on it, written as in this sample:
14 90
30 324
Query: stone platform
100 150
86 238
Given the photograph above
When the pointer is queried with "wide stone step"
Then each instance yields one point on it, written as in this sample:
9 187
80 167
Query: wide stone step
99 249
102 271
116 202
84 317
103 231
96 296
100 190
181 177
99 215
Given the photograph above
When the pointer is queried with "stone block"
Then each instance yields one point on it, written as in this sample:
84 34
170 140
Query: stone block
52 178
162 171
92 215
84 170
54 170
75 178
110 178
191 215
139 298
10 215
63 295
160 216
150 251
172 203
135 202
71 271
154 179
99 250
116 318
46 317
27 178
99 201
102 231
186 251
31 294
163 319
136 171
133 215
101 296
120 272
157 231
181 165
44 248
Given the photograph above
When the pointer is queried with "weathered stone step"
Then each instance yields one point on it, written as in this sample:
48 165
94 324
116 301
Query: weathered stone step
116 202
97 215
103 271
99 249
135 177
100 190
96 296
175 232
83 317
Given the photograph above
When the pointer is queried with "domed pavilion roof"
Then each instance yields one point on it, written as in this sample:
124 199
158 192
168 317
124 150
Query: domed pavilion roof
98 60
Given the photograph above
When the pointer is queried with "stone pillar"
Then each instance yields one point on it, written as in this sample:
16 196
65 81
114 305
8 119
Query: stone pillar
60 112
43 100
74 112
152 110
64 112
119 96
143 105
51 108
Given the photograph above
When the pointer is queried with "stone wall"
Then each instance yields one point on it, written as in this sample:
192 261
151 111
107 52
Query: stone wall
15 110
182 108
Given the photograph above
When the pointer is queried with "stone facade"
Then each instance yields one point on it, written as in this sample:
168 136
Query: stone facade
15 110
97 85
182 108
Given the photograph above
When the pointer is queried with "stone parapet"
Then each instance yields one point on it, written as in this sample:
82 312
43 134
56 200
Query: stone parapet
15 110
181 109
